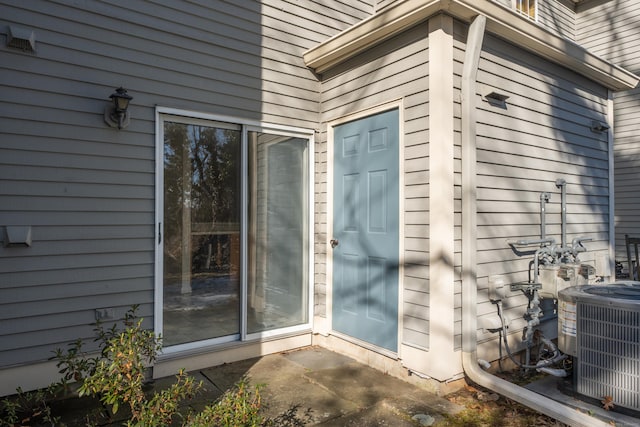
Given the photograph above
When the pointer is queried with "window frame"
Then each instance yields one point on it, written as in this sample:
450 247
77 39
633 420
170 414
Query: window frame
516 4
163 114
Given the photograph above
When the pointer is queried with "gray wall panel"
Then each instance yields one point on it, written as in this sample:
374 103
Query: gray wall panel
542 134
88 190
610 29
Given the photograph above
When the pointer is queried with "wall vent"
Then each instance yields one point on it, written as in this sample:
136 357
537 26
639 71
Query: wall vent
21 38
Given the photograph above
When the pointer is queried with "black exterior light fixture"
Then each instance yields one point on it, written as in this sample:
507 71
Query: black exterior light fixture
116 114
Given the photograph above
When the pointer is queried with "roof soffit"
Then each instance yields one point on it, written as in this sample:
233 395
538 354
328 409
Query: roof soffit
500 21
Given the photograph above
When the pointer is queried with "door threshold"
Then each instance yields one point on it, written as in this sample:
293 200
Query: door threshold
367 345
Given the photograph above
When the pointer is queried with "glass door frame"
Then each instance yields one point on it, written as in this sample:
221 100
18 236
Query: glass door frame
163 114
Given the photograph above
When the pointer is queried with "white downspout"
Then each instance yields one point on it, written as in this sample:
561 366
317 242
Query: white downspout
470 365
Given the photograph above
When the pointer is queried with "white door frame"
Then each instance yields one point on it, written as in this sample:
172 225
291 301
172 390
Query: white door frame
328 328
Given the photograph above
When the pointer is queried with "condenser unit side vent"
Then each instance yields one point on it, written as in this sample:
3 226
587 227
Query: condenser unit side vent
608 342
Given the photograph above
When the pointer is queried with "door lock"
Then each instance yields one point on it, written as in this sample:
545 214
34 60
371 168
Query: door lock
334 243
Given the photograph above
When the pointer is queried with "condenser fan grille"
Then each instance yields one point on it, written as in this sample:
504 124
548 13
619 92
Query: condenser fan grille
609 354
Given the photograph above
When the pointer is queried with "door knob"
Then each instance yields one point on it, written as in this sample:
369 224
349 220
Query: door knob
334 243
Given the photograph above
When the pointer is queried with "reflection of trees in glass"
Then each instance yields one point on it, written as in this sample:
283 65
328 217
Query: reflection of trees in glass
201 174
216 175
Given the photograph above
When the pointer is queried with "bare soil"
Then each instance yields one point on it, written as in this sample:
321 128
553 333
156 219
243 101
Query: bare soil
485 408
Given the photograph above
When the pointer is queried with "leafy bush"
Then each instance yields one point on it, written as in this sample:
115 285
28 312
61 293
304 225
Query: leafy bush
27 407
116 377
237 407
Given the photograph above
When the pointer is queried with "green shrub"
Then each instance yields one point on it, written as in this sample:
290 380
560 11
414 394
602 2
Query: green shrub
116 377
238 407
27 408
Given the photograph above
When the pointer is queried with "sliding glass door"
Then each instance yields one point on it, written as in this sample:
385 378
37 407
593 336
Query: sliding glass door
234 234
201 281
278 260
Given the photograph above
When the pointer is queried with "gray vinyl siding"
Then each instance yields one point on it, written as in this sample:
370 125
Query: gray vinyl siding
87 190
611 31
558 16
543 134
397 69
627 168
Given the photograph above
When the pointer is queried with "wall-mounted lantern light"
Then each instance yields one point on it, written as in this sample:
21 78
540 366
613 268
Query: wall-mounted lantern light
598 126
116 114
496 99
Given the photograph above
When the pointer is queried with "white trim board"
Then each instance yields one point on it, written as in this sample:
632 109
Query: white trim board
501 22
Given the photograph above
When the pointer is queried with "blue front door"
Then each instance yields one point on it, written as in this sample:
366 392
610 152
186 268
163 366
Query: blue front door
365 229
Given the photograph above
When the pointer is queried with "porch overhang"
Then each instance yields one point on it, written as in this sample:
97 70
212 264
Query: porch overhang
501 22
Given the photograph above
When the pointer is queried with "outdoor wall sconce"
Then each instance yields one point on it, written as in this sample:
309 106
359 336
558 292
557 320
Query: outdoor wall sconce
116 114
496 99
598 126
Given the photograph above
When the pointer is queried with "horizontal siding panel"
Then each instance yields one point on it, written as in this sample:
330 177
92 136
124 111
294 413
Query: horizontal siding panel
64 146
415 337
87 190
504 61
416 306
77 275
417 178
81 177
548 150
418 231
84 193
44 323
65 305
416 259
610 30
417 204
76 205
62 262
72 247
519 162
416 284
521 172
70 290
43 343
558 16
416 324
75 161
92 218
399 66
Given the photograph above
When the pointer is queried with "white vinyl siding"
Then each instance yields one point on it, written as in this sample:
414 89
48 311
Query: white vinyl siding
87 190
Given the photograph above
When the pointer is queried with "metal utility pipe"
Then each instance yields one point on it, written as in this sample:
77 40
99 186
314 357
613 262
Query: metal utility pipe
469 262
544 198
562 184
